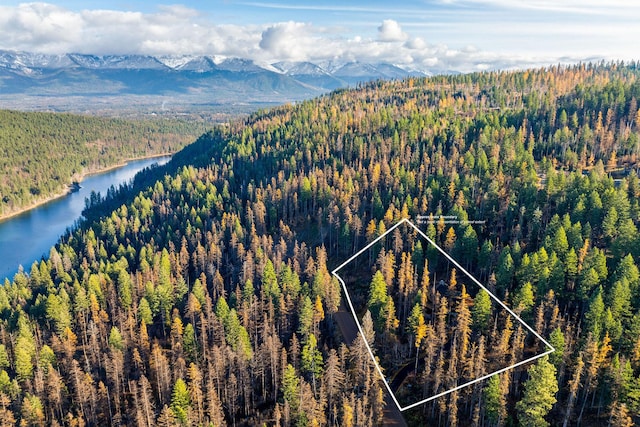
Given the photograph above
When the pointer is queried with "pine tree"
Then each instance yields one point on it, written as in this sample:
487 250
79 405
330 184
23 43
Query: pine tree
494 400
620 299
481 311
418 328
144 312
389 317
523 299
312 359
4 357
180 401
190 342
306 317
539 394
593 273
378 299
469 246
560 242
291 388
270 285
115 339
627 269
57 311
610 222
506 268
556 339
25 349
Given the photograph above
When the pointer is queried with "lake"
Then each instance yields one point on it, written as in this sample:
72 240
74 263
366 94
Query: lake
27 237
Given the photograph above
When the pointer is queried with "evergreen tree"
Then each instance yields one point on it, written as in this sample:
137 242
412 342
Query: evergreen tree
270 285
144 312
180 401
494 400
481 310
378 299
539 394
291 388
556 339
418 328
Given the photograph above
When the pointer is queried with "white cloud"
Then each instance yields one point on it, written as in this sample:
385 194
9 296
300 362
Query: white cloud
415 43
179 30
46 28
390 31
288 41
38 24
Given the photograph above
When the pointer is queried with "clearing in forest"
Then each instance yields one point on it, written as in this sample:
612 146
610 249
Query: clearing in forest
430 327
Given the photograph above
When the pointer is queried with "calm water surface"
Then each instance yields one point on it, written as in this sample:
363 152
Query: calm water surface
28 236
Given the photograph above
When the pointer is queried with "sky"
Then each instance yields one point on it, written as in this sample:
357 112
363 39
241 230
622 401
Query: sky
432 35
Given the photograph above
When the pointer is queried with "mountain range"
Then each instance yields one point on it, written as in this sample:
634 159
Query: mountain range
80 81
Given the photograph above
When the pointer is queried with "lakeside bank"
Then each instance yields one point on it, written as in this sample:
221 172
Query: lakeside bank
76 178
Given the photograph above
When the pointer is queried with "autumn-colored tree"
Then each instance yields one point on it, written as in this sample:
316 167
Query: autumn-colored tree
463 326
215 268
424 285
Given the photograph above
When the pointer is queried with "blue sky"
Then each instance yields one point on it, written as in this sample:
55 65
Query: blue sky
464 35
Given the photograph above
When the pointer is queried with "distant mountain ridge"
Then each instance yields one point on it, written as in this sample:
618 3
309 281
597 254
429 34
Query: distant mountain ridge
186 79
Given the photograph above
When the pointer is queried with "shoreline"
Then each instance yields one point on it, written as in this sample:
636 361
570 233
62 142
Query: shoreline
68 187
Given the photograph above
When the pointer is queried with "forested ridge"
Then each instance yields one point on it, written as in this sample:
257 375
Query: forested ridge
42 153
206 298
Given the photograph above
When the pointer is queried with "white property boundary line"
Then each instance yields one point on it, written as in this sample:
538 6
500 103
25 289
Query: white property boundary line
386 383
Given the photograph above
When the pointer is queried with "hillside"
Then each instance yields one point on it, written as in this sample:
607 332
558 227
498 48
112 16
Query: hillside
42 153
206 298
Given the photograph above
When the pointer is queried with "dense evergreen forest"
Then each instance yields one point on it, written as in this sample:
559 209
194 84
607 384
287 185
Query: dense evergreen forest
42 153
207 299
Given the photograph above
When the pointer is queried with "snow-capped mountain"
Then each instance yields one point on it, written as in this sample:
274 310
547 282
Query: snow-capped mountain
127 62
177 61
198 64
359 71
189 79
300 68
20 60
310 74
28 62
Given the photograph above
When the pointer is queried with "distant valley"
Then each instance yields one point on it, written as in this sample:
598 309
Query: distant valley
117 83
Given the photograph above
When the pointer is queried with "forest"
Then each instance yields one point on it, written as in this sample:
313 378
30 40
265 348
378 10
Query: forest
430 326
205 297
41 154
